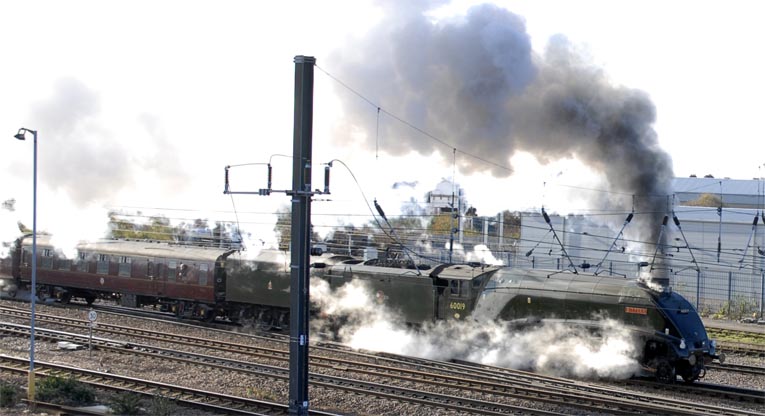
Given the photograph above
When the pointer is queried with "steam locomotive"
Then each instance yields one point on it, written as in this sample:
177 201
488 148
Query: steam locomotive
208 283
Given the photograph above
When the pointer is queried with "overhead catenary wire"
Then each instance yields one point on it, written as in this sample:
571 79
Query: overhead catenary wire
700 250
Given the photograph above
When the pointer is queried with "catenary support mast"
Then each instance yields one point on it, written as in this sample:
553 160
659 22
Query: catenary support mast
301 234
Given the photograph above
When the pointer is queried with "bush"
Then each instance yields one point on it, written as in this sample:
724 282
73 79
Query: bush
65 391
9 395
125 404
737 308
162 406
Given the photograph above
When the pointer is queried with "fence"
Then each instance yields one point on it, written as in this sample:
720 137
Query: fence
732 294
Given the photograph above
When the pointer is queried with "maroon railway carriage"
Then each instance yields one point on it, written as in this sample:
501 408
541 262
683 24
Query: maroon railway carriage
179 278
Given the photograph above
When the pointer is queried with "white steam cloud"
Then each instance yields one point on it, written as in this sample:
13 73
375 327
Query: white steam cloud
551 348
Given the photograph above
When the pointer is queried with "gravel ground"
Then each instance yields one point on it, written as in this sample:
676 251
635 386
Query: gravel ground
270 389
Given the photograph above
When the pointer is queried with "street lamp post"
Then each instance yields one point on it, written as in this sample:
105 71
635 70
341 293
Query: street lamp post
33 292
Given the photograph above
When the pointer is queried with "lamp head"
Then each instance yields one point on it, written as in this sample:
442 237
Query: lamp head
20 134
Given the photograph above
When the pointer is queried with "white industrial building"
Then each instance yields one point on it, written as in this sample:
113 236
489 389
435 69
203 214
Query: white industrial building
446 198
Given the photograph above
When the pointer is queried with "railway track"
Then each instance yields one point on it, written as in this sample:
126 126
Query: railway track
737 368
707 389
203 400
733 393
511 385
380 390
749 337
732 341
740 348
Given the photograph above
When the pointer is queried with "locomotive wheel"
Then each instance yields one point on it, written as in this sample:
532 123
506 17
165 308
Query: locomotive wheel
665 372
688 378
691 375
265 321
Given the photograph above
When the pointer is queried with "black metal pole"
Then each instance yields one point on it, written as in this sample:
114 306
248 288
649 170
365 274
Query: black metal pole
301 235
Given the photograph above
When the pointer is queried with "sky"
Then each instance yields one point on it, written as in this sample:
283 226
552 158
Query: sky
140 105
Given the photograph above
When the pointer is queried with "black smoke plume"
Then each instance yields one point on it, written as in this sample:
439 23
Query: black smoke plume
475 83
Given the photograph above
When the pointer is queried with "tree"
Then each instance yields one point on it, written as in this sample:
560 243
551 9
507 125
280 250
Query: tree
442 224
511 227
706 200
348 236
158 228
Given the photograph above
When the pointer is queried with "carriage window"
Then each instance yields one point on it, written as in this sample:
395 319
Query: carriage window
82 264
172 267
203 268
125 266
454 287
47 259
64 264
102 266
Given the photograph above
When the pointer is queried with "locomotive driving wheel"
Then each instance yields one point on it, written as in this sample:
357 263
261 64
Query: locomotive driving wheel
665 372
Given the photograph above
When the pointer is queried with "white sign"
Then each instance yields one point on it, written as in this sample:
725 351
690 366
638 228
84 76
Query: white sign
92 315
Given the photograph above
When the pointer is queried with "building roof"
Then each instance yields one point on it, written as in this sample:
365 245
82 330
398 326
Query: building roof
713 186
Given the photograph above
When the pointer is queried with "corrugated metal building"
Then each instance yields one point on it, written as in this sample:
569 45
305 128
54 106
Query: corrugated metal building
588 239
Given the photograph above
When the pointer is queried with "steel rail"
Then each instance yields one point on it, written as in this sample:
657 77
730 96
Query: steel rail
205 400
516 384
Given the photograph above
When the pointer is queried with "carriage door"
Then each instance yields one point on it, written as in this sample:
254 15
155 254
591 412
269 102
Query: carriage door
453 301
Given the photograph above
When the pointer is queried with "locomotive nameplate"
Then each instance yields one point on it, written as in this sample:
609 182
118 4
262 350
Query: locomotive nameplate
637 311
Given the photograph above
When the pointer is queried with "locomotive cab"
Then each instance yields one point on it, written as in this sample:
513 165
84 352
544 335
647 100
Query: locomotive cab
458 286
